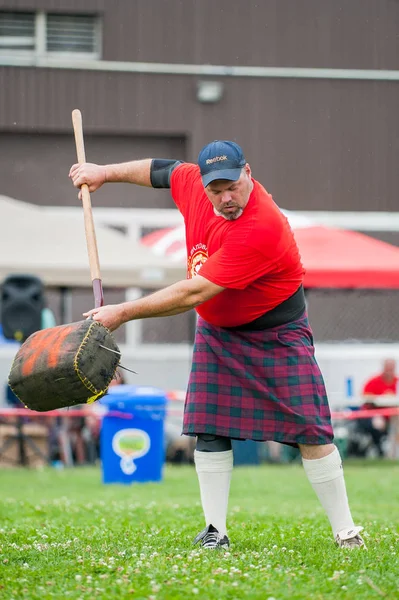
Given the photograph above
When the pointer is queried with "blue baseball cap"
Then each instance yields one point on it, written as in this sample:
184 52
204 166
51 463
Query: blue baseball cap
220 159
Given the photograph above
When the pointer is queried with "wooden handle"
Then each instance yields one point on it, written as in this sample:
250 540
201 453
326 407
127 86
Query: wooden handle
88 214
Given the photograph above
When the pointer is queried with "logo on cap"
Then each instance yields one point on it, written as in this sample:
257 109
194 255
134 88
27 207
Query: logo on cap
210 161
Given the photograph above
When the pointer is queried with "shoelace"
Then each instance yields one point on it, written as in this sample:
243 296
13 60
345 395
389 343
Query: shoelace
355 541
210 540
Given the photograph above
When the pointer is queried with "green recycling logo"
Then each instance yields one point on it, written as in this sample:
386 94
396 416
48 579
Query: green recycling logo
130 444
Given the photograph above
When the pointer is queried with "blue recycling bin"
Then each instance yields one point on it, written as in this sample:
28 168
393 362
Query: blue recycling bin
132 443
246 452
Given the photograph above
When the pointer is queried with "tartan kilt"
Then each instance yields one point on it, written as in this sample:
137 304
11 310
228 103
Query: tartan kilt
257 385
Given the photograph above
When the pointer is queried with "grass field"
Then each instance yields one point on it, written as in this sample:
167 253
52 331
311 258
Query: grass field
65 535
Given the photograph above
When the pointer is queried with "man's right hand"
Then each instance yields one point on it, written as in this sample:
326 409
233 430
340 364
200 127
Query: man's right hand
93 175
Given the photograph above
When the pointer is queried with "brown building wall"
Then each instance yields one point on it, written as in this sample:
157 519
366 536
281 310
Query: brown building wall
331 33
358 34
66 6
316 144
35 167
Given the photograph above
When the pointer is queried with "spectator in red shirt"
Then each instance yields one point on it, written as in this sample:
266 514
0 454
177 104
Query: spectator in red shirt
384 383
380 385
254 374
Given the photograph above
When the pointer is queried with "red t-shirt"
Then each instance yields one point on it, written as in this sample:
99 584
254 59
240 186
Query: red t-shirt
255 256
377 386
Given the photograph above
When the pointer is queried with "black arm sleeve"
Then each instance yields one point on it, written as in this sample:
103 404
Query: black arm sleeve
161 170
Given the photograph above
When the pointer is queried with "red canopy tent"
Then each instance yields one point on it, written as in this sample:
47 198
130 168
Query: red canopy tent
333 258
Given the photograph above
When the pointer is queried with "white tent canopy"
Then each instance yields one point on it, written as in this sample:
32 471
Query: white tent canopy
39 243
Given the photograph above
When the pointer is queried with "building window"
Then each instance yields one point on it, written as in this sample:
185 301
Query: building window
17 31
49 34
72 33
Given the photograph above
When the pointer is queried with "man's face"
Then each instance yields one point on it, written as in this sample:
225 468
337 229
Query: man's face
389 368
229 198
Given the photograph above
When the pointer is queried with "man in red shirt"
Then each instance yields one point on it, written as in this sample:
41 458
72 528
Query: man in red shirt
384 384
254 374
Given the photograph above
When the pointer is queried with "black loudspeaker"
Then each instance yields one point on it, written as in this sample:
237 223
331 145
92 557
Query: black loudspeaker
22 302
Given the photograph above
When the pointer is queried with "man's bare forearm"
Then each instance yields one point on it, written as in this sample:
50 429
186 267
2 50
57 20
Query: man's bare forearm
173 300
135 171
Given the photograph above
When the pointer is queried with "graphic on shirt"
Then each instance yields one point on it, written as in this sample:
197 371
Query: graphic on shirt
197 257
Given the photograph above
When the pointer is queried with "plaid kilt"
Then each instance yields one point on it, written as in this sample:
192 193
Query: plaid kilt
257 385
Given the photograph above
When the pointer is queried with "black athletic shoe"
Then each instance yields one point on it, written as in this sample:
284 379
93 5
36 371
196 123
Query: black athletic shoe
211 538
350 538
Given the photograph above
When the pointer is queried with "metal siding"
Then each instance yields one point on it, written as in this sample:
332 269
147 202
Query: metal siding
67 6
35 168
390 237
355 34
316 144
352 34
111 102
150 32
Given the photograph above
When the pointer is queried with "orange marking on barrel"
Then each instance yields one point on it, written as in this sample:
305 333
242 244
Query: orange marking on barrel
55 352
35 349
47 342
